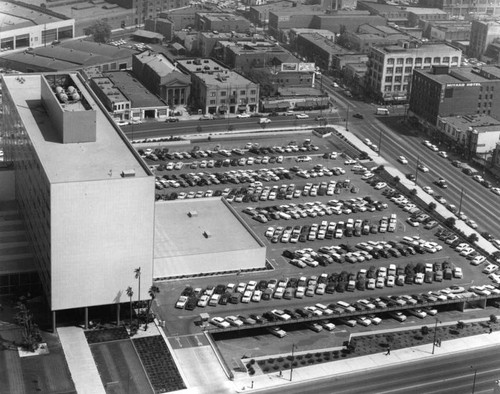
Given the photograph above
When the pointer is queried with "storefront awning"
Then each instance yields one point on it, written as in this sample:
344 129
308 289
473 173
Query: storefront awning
242 107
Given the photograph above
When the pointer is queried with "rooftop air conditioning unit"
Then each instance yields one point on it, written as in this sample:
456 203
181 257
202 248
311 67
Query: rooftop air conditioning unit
128 173
207 234
192 213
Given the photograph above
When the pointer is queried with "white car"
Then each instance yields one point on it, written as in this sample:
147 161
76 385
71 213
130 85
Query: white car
418 313
203 301
380 185
403 160
315 311
423 168
234 321
380 283
264 120
281 315
251 285
247 296
430 311
419 278
363 320
478 178
490 268
257 296
471 223
374 319
478 260
428 190
276 331
399 316
244 115
348 322
219 322
326 325
457 273
350 162
181 302
302 116
443 154
367 175
412 222
496 190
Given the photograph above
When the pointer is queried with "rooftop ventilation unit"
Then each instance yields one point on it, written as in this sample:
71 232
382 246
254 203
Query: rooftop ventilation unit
128 173
192 214
207 234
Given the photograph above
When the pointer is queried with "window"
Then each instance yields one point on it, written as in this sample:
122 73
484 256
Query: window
408 70
405 87
253 91
397 79
400 61
437 60
389 70
242 92
427 60
223 93
454 59
212 94
388 79
387 88
212 102
399 70
446 59
480 97
418 60
409 60
390 61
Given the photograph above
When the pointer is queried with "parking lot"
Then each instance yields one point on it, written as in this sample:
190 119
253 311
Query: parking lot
333 233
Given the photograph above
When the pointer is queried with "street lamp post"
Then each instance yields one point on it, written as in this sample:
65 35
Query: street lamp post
416 170
474 381
435 332
291 363
460 204
347 119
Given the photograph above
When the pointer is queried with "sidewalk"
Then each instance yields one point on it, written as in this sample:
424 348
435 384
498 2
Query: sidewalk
80 361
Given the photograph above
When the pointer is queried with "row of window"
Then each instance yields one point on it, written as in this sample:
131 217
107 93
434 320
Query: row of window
395 88
223 93
397 79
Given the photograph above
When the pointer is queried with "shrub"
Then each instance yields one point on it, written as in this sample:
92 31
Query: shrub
276 367
413 192
252 361
396 179
311 361
299 357
317 354
460 325
450 222
286 365
289 357
493 318
303 362
472 238
424 330
432 206
251 371
295 363
265 369
308 355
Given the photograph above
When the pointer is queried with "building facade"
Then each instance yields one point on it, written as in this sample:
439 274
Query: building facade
482 34
390 68
217 90
443 92
73 166
221 22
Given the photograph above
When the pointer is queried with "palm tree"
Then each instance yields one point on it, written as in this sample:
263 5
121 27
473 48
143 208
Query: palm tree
130 293
137 272
153 291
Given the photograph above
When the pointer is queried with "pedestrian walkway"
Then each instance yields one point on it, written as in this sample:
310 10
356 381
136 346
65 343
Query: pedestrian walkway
80 361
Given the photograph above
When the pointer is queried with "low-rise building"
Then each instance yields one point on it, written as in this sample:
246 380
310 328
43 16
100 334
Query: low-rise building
391 12
443 91
162 78
162 25
221 22
318 49
390 68
483 33
217 90
446 30
418 14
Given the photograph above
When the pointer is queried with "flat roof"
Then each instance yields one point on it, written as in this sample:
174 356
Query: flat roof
210 71
103 159
464 75
480 122
15 16
178 234
134 90
425 11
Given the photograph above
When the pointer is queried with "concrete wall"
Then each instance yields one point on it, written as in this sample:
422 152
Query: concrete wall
100 232
213 262
8 182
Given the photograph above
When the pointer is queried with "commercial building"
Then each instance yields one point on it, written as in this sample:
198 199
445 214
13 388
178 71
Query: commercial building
221 22
390 68
203 235
25 26
259 14
70 56
446 30
482 34
477 135
162 78
391 12
444 91
463 8
73 167
318 49
126 98
150 9
418 14
282 21
368 36
217 90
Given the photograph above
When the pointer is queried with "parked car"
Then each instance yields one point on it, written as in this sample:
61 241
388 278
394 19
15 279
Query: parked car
276 331
220 322
399 316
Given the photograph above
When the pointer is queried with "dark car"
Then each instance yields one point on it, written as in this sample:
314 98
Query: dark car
303 312
257 318
359 116
411 177
224 298
171 119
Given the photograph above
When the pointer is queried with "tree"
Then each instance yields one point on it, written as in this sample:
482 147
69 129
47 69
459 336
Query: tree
31 332
264 78
153 291
413 192
130 293
199 129
472 238
493 318
137 272
100 31
432 206
450 222
396 179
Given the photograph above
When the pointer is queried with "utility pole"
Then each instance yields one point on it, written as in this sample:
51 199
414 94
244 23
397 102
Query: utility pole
416 170
347 119
291 365
435 332
461 197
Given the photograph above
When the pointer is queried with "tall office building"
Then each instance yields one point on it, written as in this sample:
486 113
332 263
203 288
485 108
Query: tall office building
86 197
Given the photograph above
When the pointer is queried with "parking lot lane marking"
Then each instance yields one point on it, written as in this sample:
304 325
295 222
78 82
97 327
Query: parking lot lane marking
178 341
198 341
437 258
